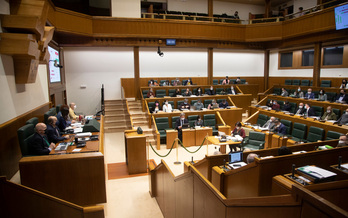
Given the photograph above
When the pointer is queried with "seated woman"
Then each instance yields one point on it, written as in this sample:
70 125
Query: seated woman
156 108
153 83
151 94
238 130
226 81
167 107
187 92
199 91
177 92
199 121
213 104
275 106
298 93
322 96
63 118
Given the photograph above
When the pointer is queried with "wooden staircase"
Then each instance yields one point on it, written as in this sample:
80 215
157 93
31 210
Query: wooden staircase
140 118
117 118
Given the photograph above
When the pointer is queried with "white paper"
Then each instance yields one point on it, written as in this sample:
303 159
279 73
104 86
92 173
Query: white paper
77 150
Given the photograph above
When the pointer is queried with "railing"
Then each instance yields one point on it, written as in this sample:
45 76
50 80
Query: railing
130 117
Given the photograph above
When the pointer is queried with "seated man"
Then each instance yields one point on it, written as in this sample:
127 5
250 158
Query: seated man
62 118
309 111
198 105
343 141
232 91
270 123
344 118
72 108
238 81
179 125
52 131
223 104
300 110
279 128
284 93
342 97
329 114
284 151
185 105
286 106
251 157
211 91
275 106
309 94
187 92
39 144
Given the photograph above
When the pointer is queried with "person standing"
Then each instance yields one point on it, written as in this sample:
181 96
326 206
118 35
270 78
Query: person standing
179 125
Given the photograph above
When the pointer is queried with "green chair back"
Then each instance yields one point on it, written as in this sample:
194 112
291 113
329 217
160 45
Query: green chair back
160 93
215 82
206 90
288 82
232 81
330 135
58 108
192 119
337 112
288 125
173 121
207 102
145 93
299 131
219 90
162 125
243 81
293 107
255 141
318 110
296 82
171 92
51 112
325 83
25 133
315 134
33 121
262 119
277 91
305 82
193 102
151 105
179 103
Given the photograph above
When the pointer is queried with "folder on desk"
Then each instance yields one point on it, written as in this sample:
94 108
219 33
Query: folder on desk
316 174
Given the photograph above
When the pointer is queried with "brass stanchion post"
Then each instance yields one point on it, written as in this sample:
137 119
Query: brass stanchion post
177 152
206 138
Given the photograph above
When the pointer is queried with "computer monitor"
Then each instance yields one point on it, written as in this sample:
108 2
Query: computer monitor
236 156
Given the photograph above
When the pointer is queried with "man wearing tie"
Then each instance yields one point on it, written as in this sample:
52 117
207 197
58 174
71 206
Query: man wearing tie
309 111
52 131
309 94
179 124
39 144
300 110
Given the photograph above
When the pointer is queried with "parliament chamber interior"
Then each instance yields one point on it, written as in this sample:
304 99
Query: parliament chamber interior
167 108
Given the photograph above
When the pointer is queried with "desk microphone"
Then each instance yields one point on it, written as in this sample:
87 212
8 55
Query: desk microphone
293 171
339 162
192 160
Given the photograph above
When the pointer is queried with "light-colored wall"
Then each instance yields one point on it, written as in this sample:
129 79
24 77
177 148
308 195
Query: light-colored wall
197 6
93 67
238 63
306 4
17 99
177 62
129 8
229 8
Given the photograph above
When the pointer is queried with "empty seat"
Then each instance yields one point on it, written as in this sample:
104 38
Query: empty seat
296 82
206 90
220 91
277 91
161 82
160 93
255 141
293 107
207 102
32 121
215 82
305 82
232 81
151 105
192 119
221 80
315 134
24 134
145 93
288 125
325 83
194 91
331 96
243 81
299 131
288 82
162 125
262 119
209 120
171 92
219 100
173 121
178 103
331 135
318 110
337 112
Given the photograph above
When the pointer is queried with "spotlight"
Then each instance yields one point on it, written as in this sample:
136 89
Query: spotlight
56 63
161 54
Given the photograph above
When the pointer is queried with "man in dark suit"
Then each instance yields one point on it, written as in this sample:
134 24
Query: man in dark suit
342 97
52 131
211 91
39 144
179 125
309 111
309 94
300 110
279 128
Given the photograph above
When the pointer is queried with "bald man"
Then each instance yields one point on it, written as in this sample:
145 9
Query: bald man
251 157
39 144
72 108
52 131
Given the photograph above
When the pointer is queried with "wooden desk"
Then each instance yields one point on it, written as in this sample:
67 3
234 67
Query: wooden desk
135 145
195 137
201 133
171 136
222 145
91 146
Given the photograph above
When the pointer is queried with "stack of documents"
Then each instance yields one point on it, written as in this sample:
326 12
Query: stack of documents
316 174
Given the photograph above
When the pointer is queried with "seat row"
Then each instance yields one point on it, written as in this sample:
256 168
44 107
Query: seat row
298 131
184 82
205 102
160 93
306 82
331 96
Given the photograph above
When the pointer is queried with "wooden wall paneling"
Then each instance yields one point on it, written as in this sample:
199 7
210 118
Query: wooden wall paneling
169 194
127 85
136 73
10 152
266 70
184 195
72 22
210 66
159 188
263 32
317 64
210 8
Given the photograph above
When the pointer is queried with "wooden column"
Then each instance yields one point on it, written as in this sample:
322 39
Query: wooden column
210 66
136 73
317 64
267 8
210 8
266 70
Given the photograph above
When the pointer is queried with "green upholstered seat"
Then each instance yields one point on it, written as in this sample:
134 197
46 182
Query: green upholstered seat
160 93
221 80
331 96
305 82
194 91
255 141
311 83
151 105
161 82
299 131
318 110
58 108
33 121
207 102
193 102
232 81
51 112
262 119
288 125
173 121
145 93
192 119
178 103
330 135
325 83
337 112
184 81
209 120
288 82
293 107
281 103
162 125
206 90
183 91
316 94
171 92
277 91
220 91
219 100
296 82
25 133
243 81
315 134
215 82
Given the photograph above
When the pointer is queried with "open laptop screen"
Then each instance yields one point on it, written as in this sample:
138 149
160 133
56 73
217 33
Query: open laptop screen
236 156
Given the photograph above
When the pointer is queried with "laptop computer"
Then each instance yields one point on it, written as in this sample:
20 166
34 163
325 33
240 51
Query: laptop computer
236 159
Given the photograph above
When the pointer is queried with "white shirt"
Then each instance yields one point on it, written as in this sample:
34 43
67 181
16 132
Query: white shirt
167 108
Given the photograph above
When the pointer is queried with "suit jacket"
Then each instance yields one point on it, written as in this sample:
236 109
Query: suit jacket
345 98
178 123
211 92
330 116
311 96
184 106
343 119
285 93
61 122
286 107
311 112
230 91
268 124
281 129
300 111
53 134
187 94
38 145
